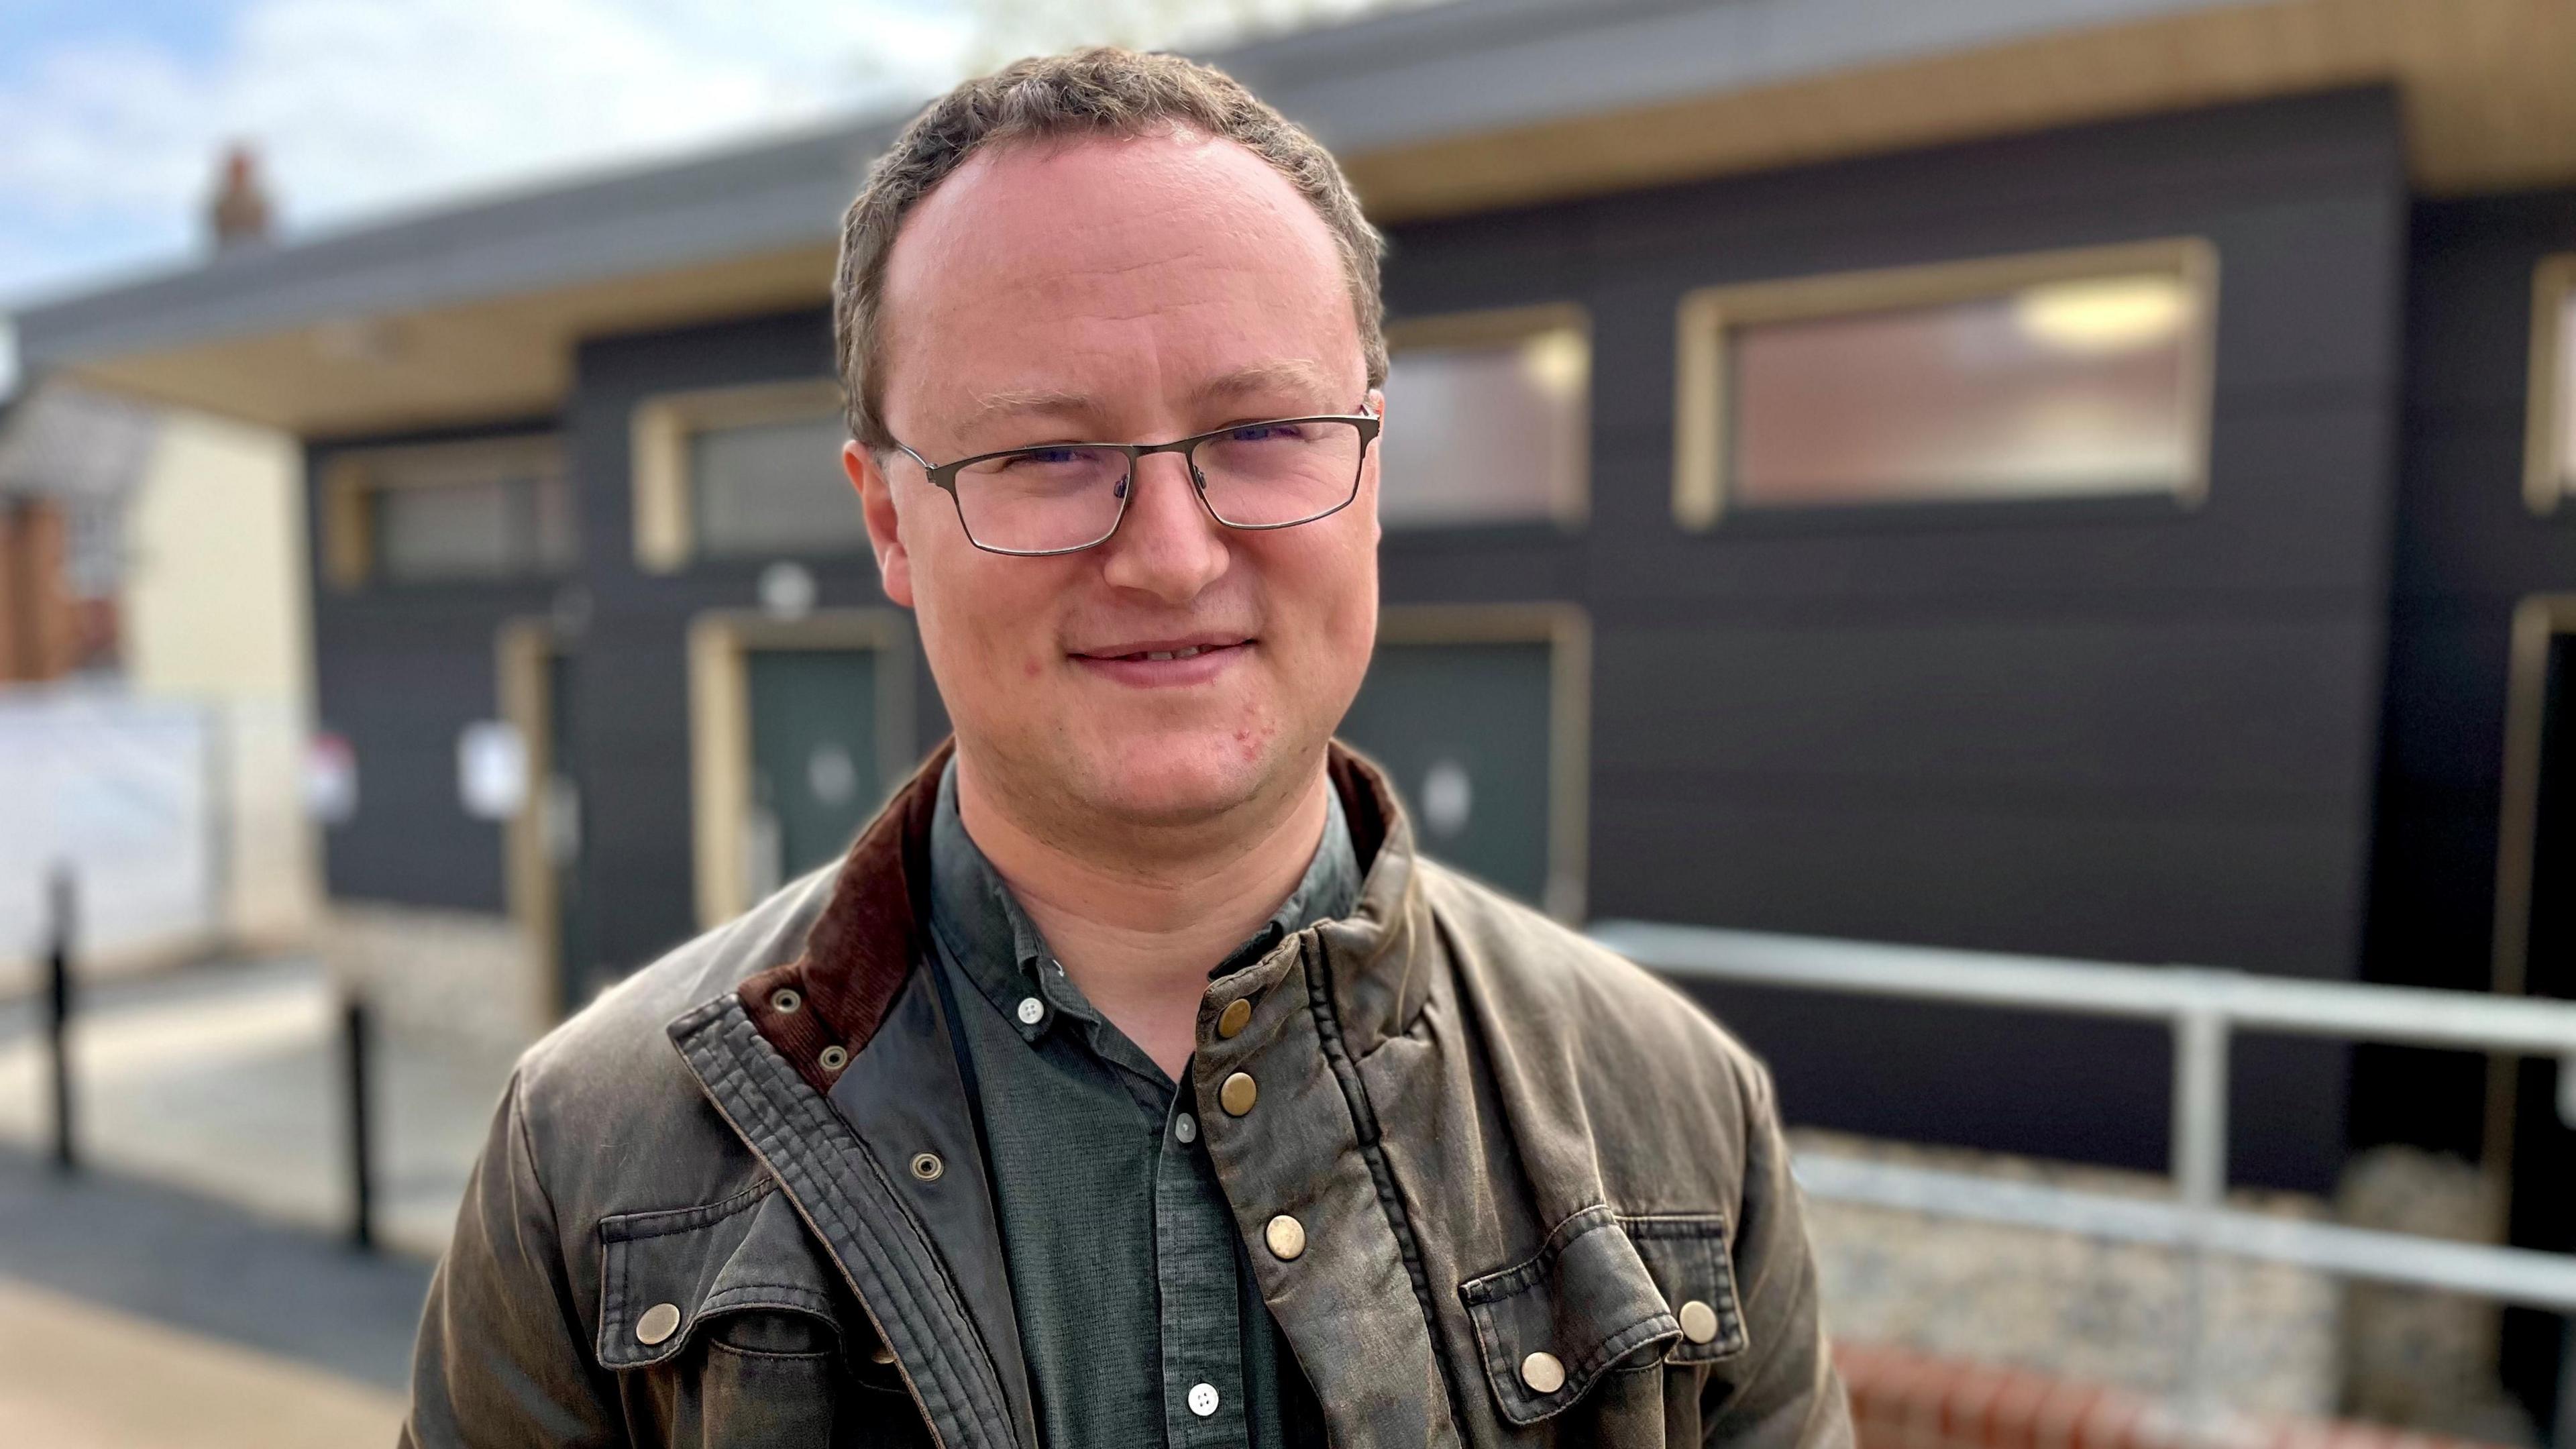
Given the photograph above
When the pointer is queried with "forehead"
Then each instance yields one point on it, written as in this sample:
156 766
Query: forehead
1113 264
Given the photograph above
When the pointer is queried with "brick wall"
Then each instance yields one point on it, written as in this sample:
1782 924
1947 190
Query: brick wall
40 629
1907 1400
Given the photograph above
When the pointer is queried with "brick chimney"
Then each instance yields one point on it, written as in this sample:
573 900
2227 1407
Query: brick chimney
240 212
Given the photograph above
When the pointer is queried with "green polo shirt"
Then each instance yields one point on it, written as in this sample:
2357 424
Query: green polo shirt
1138 1313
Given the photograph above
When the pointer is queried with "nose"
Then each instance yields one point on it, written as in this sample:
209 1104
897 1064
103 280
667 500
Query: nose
1167 545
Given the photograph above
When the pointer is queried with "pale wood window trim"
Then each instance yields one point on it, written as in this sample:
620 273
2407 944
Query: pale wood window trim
1700 445
522 649
665 512
720 725
1567 631
352 479
2546 476
1501 326
2537 623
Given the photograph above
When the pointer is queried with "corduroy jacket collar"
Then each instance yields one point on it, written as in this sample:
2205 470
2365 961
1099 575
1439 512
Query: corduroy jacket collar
822 1008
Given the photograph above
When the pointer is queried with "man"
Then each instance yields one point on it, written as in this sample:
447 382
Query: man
1132 1080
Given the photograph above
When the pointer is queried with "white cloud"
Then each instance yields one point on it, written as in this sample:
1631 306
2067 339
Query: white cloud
359 105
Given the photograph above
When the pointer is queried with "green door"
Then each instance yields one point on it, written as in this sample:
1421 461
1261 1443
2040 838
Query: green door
814 774
1463 728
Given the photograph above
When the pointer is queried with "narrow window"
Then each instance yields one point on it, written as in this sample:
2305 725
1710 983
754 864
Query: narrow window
451 512
2055 376
770 488
743 473
1487 419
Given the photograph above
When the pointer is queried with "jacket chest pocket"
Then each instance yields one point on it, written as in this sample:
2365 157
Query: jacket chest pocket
1606 1295
724 1327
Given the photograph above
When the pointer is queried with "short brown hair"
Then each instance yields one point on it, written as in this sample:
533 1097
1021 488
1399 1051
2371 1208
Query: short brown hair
1103 91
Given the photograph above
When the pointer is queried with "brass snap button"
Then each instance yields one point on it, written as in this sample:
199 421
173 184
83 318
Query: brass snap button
1544 1372
927 1166
658 1323
1236 1016
1237 1095
785 1000
1287 1238
881 1354
835 1057
1699 1321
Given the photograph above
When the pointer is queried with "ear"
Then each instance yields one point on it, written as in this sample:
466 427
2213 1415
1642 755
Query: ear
1376 402
885 526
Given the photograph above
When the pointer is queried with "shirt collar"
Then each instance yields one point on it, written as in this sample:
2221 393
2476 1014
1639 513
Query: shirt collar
980 925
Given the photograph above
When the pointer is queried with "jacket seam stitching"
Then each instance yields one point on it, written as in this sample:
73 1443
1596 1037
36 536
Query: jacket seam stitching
782 1128
1520 1276
1328 1030
624 1227
1580 1374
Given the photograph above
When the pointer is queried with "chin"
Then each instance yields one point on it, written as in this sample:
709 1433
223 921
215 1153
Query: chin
1176 777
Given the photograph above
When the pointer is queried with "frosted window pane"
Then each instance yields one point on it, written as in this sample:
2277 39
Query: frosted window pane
1485 433
2065 388
772 488
469 519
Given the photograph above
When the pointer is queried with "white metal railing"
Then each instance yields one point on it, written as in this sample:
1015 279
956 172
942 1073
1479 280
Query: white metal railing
2204 1007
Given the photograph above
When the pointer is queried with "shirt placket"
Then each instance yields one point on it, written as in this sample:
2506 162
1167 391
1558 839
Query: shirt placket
1194 1248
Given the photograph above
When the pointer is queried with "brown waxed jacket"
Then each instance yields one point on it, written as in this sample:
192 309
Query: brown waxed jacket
739 1200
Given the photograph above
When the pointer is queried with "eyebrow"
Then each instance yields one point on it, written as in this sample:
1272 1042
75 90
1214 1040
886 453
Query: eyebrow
1287 373
1293 373
1020 401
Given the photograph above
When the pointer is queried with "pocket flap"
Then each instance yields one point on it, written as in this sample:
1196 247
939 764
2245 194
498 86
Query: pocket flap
1690 1262
1587 1301
662 1274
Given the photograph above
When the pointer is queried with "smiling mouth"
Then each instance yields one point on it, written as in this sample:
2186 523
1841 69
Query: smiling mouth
1159 653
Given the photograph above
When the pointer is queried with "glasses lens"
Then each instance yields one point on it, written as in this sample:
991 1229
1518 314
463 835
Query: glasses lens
1041 499
1267 474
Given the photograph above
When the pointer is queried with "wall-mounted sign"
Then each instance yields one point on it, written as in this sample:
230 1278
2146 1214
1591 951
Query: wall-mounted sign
491 769
330 778
787 591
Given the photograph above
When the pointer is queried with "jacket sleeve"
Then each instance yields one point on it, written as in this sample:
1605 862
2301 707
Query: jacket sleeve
1782 1392
502 1359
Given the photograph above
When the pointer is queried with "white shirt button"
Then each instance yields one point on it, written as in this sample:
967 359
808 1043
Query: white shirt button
1031 1010
1186 1127
1202 1399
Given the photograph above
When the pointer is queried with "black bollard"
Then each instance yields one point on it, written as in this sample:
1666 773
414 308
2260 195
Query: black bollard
362 1217
58 1016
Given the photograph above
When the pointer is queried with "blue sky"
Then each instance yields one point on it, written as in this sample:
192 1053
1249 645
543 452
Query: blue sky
116 110
114 113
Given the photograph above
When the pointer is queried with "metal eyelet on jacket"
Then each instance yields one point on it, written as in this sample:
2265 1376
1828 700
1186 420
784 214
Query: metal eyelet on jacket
785 1000
927 1166
835 1057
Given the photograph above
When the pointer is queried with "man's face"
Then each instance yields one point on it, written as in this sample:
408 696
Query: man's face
1134 290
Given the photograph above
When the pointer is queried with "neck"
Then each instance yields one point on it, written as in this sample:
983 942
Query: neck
1139 917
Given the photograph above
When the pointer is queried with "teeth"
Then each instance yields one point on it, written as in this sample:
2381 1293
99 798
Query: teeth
1190 653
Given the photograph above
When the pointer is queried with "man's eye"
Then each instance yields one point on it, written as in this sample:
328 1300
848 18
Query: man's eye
1267 433
1044 456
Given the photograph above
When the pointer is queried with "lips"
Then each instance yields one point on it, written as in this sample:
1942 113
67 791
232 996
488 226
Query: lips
1161 649
1165 663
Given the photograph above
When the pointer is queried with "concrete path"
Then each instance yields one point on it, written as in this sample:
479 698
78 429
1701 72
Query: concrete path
134 1316
228 1080
193 1284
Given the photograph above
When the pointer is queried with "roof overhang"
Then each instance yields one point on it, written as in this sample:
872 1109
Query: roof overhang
473 311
